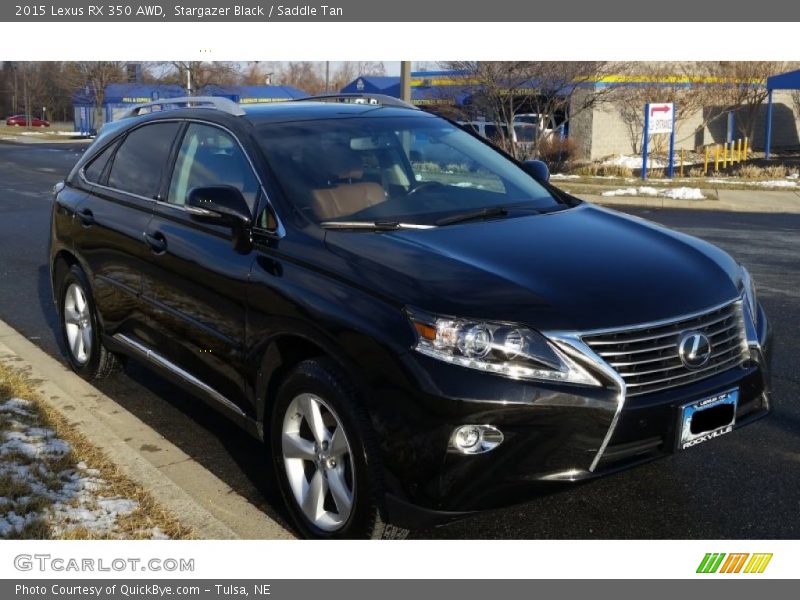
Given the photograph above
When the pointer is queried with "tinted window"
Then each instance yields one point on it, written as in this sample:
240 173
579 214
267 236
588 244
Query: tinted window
139 161
413 169
210 156
94 170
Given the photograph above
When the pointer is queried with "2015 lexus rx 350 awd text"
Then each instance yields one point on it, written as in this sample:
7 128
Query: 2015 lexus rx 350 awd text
416 325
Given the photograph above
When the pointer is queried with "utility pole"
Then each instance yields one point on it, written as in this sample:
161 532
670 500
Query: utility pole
327 76
189 78
405 81
16 90
25 97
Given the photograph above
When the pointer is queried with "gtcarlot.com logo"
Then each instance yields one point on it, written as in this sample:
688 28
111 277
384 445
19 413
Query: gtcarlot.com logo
48 563
736 562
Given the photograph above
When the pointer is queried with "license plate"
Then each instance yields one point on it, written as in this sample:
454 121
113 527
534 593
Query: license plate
708 418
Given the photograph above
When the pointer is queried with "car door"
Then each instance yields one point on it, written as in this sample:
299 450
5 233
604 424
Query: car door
121 184
194 285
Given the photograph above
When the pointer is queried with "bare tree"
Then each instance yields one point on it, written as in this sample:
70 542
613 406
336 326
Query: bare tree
556 89
744 88
661 82
259 73
796 103
92 77
304 75
370 68
198 74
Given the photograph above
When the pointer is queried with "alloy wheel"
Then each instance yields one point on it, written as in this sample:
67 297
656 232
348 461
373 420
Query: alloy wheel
318 462
78 324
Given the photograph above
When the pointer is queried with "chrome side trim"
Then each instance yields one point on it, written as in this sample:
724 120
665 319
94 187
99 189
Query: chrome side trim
156 358
572 344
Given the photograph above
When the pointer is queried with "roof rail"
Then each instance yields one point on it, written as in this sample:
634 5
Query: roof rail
359 98
218 102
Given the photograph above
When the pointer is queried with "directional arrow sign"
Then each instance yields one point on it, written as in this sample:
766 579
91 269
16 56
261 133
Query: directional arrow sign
660 120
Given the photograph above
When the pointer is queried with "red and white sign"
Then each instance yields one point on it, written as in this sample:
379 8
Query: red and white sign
660 118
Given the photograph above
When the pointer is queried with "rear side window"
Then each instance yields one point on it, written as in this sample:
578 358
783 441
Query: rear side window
94 170
141 158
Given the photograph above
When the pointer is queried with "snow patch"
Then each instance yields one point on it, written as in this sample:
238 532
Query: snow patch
679 193
31 463
632 162
777 183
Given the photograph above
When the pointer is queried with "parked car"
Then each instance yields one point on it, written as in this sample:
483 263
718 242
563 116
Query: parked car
522 133
23 121
417 326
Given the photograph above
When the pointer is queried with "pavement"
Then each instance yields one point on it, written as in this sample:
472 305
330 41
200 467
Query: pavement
740 486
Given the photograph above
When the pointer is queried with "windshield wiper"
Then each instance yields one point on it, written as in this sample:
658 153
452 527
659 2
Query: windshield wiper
484 213
374 225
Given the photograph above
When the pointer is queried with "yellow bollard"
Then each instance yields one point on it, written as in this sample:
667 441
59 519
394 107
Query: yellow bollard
680 171
739 150
705 160
745 148
716 158
733 152
725 155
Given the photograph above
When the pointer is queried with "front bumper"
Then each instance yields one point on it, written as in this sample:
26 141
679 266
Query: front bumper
553 433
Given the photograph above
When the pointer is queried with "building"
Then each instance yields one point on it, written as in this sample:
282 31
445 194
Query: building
607 128
254 94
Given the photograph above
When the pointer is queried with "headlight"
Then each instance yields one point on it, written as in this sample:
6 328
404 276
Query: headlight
750 293
500 348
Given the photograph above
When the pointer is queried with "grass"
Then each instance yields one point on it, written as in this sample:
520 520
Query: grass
42 133
134 525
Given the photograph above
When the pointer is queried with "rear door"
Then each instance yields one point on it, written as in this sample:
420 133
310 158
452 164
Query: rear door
194 286
122 184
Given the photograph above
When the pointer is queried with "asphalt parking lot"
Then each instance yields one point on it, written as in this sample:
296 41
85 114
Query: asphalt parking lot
743 485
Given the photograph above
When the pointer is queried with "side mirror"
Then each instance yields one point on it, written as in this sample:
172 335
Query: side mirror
222 205
537 169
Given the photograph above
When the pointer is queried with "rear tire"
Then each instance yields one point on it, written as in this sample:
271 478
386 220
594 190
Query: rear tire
325 458
80 328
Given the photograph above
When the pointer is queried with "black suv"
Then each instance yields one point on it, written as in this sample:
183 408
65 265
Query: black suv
415 324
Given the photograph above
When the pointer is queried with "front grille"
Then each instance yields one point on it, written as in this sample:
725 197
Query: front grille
647 357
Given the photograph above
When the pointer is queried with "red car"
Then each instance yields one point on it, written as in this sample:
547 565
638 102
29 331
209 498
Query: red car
22 121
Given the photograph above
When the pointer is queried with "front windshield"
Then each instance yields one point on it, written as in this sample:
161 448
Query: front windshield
411 170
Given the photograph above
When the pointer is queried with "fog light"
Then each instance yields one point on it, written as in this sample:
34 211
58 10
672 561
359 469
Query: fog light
475 439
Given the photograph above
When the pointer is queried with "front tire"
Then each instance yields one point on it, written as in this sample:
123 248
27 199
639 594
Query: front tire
80 329
323 455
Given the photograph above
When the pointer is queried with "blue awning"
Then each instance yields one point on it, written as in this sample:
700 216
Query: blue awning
254 94
135 93
784 81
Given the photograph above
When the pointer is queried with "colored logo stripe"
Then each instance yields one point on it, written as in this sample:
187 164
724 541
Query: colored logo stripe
734 563
758 563
713 562
710 562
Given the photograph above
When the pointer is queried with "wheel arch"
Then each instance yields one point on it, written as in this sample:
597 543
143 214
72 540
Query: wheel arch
61 264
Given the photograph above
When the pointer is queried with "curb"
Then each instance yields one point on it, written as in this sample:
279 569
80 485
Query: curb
197 498
708 204
32 141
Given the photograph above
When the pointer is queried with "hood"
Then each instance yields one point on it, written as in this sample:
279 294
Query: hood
582 268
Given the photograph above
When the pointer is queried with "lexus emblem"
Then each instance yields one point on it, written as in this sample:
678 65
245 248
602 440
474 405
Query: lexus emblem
694 349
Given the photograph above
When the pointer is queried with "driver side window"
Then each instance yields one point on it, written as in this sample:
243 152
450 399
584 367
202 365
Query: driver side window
209 156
